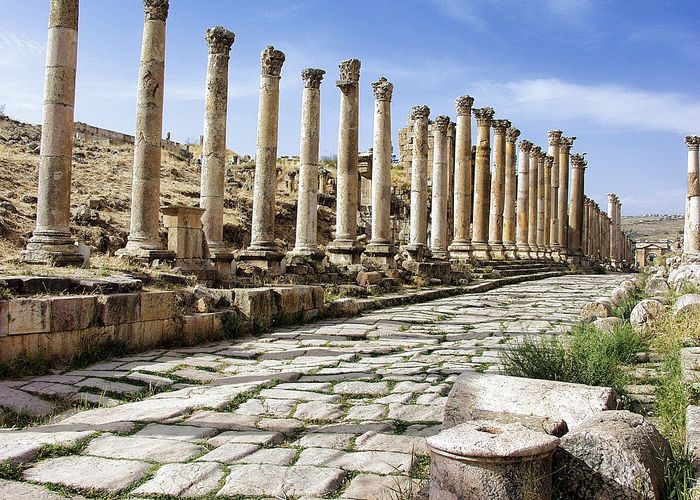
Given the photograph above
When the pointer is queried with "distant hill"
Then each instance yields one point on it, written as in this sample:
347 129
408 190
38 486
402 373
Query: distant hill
653 227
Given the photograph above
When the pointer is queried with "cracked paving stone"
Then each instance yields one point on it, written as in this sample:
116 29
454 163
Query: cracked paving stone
335 440
272 407
391 442
222 420
298 395
377 462
141 448
282 482
177 432
273 456
89 473
252 436
183 480
284 425
22 402
318 410
229 452
362 388
366 412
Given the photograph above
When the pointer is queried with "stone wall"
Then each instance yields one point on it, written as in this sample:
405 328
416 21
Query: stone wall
62 326
92 133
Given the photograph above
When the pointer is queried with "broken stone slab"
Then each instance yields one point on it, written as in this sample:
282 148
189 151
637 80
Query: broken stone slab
183 480
475 392
689 273
617 454
23 446
656 286
646 315
143 448
487 459
88 473
264 480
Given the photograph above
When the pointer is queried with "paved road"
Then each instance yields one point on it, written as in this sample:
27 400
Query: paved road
335 408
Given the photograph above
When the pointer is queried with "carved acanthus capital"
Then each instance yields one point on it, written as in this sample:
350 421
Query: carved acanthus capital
611 197
382 89
693 142
578 160
553 137
463 105
219 40
441 123
500 126
349 71
420 112
271 61
156 10
483 116
535 151
512 134
525 146
312 77
548 161
566 143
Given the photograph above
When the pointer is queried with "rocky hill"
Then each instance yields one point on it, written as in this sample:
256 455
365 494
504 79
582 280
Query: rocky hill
653 227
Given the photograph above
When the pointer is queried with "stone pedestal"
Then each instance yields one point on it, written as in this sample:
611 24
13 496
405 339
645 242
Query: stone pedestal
533 201
498 186
460 248
509 221
185 234
51 242
417 248
482 184
213 178
523 203
144 238
345 249
306 242
381 250
554 136
485 459
565 144
264 252
578 166
438 219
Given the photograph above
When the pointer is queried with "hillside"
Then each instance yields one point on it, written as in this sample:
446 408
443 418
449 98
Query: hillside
653 227
101 193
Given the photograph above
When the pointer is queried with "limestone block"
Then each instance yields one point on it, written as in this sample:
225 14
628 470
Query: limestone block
62 345
318 296
13 345
291 301
620 295
73 312
366 278
656 286
29 316
344 307
196 326
594 310
689 274
617 454
119 308
158 305
607 324
256 305
474 392
646 315
4 317
687 303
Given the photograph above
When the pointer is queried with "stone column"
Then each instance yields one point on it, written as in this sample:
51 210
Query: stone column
417 247
510 195
553 139
523 200
585 228
578 166
344 249
264 252
691 234
541 222
213 178
438 216
612 212
548 165
620 234
482 183
381 250
460 248
498 185
51 242
450 137
306 244
144 238
533 201
565 144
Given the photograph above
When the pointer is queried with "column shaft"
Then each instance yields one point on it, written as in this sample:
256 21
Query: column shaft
548 162
482 183
533 201
540 204
554 137
419 183
563 202
460 248
509 222
523 200
498 185
576 213
438 233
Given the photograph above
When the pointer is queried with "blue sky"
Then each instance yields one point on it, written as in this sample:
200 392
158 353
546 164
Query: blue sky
622 76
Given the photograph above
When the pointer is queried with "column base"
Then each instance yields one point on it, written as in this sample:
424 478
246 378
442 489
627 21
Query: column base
497 251
52 248
460 250
417 252
523 251
380 255
511 251
481 250
344 252
440 254
313 257
144 255
268 259
223 262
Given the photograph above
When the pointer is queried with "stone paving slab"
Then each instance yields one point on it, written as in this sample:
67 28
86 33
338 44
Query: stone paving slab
282 482
183 480
142 448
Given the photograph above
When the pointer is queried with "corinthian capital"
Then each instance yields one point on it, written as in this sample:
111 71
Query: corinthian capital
548 161
349 71
566 143
271 61
156 9
525 146
219 40
442 122
420 112
312 77
500 126
512 134
611 197
578 160
553 137
693 142
382 89
483 116
463 105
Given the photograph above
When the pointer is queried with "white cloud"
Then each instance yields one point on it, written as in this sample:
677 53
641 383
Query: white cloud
606 105
16 49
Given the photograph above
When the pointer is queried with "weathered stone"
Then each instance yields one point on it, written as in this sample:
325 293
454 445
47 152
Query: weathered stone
278 481
336 440
377 462
14 490
594 310
344 307
119 308
692 436
646 314
23 403
177 432
274 456
298 395
356 388
143 448
229 452
364 486
686 274
87 472
252 436
572 403
620 295
255 304
366 278
72 313
318 410
366 412
687 303
413 445
158 305
617 454
608 324
29 316
110 386
183 480
656 286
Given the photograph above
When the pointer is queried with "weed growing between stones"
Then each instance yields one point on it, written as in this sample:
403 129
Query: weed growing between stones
10 471
24 365
585 355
